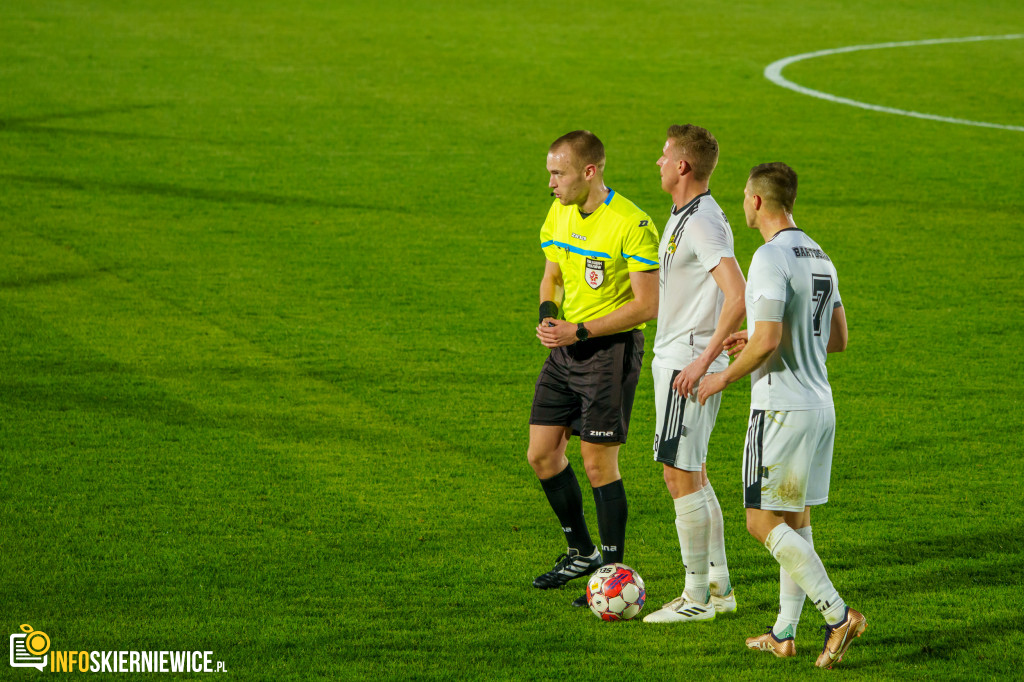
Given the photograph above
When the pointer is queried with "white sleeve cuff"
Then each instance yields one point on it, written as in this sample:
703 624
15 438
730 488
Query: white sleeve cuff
769 310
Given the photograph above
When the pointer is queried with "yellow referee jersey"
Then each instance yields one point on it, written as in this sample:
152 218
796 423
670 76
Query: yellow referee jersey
597 253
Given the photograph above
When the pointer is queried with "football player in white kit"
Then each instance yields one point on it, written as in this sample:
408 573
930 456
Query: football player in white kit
795 318
700 305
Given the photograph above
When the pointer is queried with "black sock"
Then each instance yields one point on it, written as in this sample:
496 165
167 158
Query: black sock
612 512
566 499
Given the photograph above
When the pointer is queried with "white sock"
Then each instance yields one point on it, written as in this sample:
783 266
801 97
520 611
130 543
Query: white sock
798 558
693 528
791 596
719 574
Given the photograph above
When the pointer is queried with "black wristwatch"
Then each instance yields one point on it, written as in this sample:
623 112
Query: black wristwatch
581 332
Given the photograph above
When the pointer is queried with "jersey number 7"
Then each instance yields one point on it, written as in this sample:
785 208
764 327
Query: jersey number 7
821 288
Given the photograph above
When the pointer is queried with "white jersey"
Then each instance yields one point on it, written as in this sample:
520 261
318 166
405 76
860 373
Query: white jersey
794 269
696 238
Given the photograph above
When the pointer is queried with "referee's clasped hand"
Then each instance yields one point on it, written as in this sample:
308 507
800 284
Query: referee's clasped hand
556 333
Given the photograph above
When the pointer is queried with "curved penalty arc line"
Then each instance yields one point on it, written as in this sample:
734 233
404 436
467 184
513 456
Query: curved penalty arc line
773 72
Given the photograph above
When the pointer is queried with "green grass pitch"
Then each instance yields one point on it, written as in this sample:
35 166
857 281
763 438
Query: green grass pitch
268 279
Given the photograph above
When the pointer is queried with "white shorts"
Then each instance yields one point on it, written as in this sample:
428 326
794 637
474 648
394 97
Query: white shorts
683 426
787 459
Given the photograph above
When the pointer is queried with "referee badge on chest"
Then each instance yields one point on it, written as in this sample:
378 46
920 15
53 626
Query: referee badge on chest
594 273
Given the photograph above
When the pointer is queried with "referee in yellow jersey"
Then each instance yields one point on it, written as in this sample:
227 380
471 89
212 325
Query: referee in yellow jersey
602 254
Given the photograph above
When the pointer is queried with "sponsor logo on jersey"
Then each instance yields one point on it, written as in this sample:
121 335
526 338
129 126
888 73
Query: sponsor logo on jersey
643 223
579 236
594 273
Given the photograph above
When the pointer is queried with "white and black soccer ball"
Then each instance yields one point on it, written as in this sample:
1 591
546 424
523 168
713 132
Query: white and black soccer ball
616 592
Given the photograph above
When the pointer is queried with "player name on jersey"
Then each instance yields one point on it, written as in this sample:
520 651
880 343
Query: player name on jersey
806 252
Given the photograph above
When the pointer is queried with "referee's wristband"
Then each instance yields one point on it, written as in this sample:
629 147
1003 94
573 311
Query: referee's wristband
548 309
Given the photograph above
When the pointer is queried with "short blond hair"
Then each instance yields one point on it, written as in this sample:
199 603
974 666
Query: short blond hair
585 146
698 146
775 183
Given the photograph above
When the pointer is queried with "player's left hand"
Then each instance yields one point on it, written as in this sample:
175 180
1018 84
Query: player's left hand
736 342
685 383
556 333
710 385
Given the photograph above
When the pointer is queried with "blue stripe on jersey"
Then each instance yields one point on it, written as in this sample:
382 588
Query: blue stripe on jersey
611 193
638 258
576 249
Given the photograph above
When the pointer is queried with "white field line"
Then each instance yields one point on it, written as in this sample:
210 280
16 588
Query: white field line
773 72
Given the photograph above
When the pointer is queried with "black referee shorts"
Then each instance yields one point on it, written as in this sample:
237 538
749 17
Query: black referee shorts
589 386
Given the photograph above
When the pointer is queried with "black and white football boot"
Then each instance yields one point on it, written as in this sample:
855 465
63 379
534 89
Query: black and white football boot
684 609
568 566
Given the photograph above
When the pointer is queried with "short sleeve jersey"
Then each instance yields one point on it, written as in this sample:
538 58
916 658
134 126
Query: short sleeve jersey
695 240
792 268
597 253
